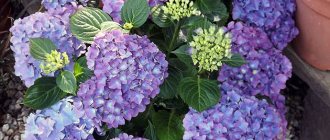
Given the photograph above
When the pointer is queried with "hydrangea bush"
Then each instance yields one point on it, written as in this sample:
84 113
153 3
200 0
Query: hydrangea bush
155 69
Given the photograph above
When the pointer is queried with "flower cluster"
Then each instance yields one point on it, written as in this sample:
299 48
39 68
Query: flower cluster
274 17
54 61
42 25
178 9
53 4
60 121
266 71
128 71
113 7
64 12
124 136
209 47
235 117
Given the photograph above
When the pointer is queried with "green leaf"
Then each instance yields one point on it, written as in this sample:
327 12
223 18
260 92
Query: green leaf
235 61
44 93
168 126
168 89
160 18
198 93
150 132
39 47
86 23
183 54
214 10
195 22
81 71
111 25
135 12
66 81
188 70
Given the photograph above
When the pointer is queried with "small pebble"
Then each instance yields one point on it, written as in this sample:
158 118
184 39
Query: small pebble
16 137
1 135
5 127
9 132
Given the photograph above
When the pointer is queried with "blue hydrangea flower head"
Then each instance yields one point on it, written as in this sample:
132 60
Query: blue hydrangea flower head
53 4
128 71
124 136
235 117
266 71
60 121
274 17
40 25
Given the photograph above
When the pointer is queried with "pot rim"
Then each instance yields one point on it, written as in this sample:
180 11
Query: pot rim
321 7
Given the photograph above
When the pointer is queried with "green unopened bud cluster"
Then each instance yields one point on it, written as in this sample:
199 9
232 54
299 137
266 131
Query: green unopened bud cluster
209 47
179 9
128 26
54 61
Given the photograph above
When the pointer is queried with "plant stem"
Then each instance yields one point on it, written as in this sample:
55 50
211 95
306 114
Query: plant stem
174 37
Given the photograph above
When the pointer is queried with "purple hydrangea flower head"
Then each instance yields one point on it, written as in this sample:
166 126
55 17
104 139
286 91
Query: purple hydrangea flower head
60 121
128 71
40 25
113 7
266 70
124 136
235 117
274 17
53 4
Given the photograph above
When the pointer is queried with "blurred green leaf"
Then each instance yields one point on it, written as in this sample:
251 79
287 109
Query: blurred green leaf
168 126
235 61
135 12
39 47
44 93
169 88
198 93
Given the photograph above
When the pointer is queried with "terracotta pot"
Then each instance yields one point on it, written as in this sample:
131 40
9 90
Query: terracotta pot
313 42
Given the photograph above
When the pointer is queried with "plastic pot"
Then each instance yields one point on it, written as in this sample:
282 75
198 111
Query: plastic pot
313 42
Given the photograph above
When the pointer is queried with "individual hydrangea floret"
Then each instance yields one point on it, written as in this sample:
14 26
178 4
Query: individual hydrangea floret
266 70
113 7
60 121
178 9
209 47
274 17
40 25
128 71
124 136
54 61
236 117
53 4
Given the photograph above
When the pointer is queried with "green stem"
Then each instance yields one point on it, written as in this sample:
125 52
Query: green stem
174 37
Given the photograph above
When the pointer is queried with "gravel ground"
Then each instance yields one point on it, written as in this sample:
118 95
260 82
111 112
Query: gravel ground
12 112
294 93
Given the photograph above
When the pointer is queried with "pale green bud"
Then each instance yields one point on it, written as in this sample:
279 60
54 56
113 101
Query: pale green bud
128 26
210 46
54 61
178 9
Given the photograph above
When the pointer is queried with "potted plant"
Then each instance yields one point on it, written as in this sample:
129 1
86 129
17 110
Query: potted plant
313 43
